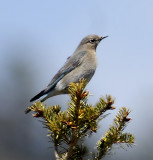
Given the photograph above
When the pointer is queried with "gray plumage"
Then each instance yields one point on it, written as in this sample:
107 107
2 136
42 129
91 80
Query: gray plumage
82 64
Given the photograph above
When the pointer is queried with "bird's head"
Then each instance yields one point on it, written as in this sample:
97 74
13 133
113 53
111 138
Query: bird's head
91 41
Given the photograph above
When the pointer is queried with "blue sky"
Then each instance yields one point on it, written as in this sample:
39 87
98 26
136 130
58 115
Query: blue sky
37 37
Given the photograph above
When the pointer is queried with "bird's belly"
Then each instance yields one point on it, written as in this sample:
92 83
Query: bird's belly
73 77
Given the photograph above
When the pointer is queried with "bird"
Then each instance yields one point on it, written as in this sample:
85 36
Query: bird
81 65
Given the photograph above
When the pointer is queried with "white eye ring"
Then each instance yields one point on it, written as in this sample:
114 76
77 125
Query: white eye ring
92 40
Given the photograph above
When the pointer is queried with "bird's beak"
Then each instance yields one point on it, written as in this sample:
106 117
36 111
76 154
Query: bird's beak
103 37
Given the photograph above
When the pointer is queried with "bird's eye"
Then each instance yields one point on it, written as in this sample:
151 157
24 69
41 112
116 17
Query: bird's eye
92 40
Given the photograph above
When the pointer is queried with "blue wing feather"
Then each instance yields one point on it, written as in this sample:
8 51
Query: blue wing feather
53 84
72 63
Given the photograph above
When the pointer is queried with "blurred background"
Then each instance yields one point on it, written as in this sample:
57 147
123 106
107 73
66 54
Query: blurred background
36 37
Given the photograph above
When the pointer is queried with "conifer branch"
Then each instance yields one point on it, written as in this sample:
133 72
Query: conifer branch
68 128
114 135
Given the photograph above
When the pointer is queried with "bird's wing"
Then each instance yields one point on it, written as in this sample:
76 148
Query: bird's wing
70 64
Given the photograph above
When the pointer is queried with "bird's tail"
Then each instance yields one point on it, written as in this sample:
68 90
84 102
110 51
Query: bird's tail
42 93
38 96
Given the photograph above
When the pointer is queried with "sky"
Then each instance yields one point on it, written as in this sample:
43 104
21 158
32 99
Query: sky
36 39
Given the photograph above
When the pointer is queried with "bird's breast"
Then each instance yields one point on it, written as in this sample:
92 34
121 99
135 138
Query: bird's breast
85 70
